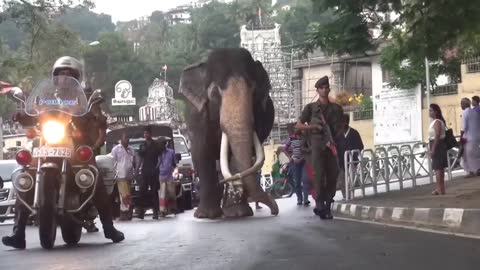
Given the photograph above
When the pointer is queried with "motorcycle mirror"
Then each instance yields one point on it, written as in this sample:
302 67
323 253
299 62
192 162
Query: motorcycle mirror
95 98
18 94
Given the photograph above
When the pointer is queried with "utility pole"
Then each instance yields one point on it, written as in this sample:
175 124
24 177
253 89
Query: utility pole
427 83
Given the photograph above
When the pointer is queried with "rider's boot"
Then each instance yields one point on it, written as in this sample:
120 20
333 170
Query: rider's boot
17 239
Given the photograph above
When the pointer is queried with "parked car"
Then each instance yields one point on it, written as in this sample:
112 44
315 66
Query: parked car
7 193
186 172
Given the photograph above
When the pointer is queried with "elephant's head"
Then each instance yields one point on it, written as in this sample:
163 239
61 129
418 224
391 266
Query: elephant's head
237 87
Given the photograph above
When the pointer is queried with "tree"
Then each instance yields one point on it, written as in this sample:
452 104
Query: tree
114 60
412 31
86 23
297 20
34 17
214 27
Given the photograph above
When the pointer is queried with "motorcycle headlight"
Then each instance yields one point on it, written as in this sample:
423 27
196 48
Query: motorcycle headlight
53 132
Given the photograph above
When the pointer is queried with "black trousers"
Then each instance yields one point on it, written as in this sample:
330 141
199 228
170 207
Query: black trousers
101 200
149 186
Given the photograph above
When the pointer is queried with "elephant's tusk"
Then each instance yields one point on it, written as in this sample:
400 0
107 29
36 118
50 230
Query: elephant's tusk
224 166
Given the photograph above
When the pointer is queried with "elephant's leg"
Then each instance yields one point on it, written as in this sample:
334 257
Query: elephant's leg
235 205
240 209
210 192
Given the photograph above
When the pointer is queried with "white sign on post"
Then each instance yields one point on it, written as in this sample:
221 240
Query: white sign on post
397 115
123 94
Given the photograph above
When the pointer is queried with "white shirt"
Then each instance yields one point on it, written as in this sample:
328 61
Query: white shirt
124 160
431 130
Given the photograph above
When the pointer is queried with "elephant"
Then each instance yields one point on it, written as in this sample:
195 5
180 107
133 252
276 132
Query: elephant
229 113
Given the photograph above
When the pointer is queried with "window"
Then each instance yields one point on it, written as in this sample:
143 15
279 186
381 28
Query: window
19 143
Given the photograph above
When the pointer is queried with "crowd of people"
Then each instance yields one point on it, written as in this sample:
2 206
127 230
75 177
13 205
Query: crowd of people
318 141
156 162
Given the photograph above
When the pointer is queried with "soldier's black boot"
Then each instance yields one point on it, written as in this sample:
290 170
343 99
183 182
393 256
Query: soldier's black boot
327 213
319 208
113 234
16 240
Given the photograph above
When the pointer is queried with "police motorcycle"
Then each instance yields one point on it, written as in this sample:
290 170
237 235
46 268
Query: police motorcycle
56 180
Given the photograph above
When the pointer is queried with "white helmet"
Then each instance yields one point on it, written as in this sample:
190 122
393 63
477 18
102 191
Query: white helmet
69 62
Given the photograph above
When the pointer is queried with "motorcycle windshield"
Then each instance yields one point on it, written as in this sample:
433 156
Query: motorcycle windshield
59 94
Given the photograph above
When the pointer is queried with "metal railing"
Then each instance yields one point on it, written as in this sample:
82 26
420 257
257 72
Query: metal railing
443 90
472 64
393 168
362 114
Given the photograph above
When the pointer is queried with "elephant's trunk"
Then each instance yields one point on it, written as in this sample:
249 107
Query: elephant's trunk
237 122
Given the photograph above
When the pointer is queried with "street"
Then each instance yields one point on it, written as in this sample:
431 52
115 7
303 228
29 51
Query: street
294 240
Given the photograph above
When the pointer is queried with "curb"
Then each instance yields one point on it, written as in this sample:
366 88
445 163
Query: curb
455 220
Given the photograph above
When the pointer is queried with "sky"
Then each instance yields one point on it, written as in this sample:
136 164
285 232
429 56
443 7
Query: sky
125 10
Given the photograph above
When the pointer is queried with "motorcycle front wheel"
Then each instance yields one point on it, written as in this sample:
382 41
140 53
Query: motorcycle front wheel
47 212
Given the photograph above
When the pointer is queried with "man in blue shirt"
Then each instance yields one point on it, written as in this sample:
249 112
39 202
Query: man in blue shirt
167 193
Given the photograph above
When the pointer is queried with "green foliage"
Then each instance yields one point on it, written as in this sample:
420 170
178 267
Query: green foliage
214 27
6 107
85 22
420 29
39 33
297 22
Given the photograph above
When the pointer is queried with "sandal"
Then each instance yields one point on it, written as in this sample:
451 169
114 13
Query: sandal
435 192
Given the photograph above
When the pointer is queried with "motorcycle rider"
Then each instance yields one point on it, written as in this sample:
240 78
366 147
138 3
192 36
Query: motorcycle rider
93 122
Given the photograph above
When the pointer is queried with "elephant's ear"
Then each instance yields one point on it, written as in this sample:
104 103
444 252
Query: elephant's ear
264 119
192 85
262 84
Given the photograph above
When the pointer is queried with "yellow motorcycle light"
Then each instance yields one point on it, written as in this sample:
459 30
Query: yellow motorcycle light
53 132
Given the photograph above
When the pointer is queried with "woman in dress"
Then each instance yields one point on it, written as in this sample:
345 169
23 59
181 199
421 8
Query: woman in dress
438 147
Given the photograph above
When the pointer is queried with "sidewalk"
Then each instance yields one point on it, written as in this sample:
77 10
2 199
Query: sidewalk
458 211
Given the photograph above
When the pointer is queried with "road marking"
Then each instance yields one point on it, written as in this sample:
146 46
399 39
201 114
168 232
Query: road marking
353 209
397 213
379 213
463 235
365 210
453 217
421 214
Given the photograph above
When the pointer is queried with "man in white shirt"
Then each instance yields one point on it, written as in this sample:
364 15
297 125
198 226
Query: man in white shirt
124 157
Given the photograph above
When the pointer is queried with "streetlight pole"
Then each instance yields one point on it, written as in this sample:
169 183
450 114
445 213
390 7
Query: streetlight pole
427 83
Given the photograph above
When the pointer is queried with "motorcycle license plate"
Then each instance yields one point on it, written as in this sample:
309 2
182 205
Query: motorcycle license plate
55 152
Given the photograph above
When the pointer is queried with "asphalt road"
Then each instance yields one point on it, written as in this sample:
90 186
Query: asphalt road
294 240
